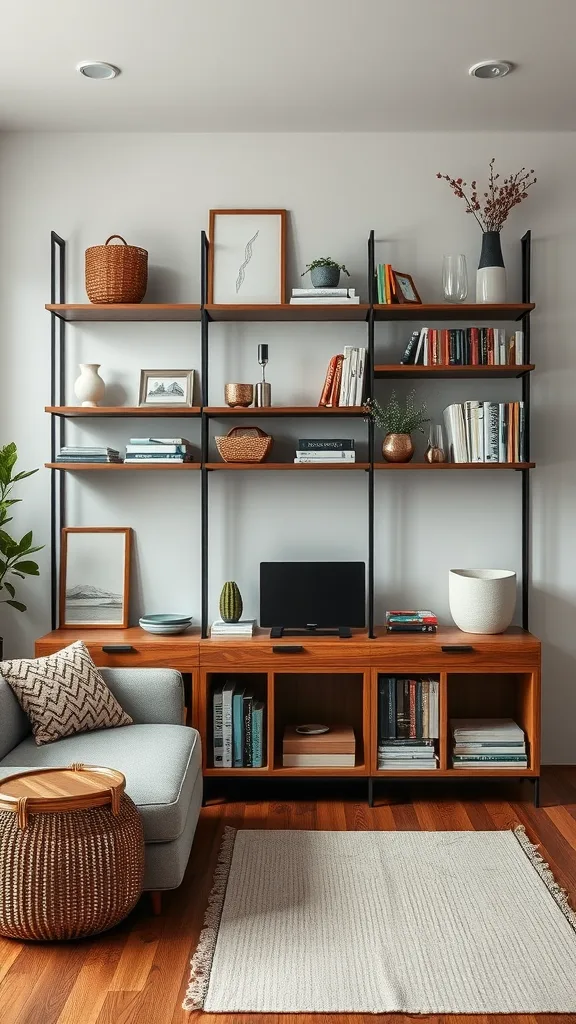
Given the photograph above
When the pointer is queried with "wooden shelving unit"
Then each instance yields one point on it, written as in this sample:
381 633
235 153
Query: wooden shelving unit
306 312
120 467
123 411
436 467
128 312
431 373
297 467
453 311
293 411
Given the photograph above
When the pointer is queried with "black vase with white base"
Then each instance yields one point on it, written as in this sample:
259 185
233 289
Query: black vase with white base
491 273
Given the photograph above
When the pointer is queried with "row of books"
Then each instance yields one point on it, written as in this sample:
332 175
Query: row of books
325 296
335 748
345 378
385 284
408 709
331 449
470 346
486 431
411 622
239 734
488 743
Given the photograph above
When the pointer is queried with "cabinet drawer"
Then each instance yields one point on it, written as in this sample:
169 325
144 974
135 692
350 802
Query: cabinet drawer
128 654
287 655
464 660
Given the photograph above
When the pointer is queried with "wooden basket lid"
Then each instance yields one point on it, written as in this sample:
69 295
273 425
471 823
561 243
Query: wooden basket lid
53 790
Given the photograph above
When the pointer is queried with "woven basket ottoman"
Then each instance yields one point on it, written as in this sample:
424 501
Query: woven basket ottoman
71 852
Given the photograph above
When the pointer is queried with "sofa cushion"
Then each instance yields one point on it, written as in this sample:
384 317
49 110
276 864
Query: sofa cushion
14 723
160 763
63 694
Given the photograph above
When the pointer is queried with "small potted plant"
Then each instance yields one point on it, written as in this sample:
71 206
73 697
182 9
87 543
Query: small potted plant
325 272
15 558
397 422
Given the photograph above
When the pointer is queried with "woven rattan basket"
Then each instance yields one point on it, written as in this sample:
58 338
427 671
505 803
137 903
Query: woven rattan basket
116 273
244 444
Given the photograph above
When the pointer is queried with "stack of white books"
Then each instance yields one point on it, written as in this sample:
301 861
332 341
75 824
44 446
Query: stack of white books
159 449
330 449
488 743
327 296
245 627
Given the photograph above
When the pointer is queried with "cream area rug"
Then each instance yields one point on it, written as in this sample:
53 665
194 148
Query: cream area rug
377 922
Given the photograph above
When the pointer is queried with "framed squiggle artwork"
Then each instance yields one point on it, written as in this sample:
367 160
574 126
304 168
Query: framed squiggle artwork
247 257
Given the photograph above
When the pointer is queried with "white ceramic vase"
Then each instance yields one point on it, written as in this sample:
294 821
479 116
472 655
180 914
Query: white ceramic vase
491 285
89 387
482 600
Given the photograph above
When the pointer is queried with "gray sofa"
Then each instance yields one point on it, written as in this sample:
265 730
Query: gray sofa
160 758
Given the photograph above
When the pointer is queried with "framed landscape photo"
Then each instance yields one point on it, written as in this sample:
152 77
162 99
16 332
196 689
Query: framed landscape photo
247 257
405 288
95 576
167 387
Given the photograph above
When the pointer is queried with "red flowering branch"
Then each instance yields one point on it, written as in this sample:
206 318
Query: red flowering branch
499 200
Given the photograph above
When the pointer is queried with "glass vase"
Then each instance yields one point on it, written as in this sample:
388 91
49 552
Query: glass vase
455 278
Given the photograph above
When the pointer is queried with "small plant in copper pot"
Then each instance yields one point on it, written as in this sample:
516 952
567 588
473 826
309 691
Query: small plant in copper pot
397 422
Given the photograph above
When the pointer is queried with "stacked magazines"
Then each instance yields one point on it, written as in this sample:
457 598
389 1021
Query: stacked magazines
159 449
423 621
82 453
488 743
408 723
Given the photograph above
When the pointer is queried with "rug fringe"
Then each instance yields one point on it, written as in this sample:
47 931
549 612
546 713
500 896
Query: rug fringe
543 869
201 963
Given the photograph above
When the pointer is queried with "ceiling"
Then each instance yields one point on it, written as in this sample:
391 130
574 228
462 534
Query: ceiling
290 66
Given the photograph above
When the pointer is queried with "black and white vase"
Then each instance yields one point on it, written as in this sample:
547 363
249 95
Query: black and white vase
491 273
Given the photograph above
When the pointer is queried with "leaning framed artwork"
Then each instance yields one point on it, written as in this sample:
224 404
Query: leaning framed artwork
247 257
167 387
95 576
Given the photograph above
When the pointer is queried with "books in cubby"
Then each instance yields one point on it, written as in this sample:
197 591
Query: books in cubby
238 727
345 379
488 743
159 449
407 621
326 449
325 296
333 749
470 346
486 431
408 723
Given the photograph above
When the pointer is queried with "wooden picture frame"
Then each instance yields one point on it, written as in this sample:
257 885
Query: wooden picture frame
404 289
240 272
184 379
88 582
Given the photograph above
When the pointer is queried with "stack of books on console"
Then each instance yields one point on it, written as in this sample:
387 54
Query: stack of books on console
245 627
335 748
411 622
238 731
488 743
325 296
329 449
408 721
159 449
83 453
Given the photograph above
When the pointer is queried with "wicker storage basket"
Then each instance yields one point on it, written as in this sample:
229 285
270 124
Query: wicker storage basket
116 273
244 444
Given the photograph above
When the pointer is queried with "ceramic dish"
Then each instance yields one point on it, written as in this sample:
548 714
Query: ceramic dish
165 620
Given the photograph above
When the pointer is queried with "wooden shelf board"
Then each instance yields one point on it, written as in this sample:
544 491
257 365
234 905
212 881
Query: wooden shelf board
301 312
287 466
450 372
113 411
434 466
119 467
454 773
127 312
320 771
235 772
506 311
286 410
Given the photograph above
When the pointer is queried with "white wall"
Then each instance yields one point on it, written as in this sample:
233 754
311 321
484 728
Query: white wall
157 190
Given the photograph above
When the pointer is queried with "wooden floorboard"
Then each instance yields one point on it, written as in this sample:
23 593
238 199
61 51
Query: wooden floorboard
137 973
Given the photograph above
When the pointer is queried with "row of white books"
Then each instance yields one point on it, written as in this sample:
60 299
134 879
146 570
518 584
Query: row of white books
407 756
486 431
325 296
245 627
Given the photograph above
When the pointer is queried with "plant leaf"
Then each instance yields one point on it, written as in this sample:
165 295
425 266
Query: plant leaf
23 475
10 589
30 568
17 605
25 543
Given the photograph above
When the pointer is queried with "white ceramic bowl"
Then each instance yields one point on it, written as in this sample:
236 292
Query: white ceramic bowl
482 600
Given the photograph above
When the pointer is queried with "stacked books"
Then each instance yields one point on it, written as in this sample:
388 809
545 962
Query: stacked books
472 346
325 296
333 749
408 720
159 449
239 734
81 453
486 431
245 627
332 449
488 743
345 379
411 622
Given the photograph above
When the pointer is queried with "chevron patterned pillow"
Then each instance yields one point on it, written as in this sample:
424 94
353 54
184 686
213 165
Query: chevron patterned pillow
63 694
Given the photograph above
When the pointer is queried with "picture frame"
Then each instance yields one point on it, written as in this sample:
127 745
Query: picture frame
247 257
405 289
167 387
95 576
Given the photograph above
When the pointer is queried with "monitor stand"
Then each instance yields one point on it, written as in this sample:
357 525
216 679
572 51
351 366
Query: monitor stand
343 632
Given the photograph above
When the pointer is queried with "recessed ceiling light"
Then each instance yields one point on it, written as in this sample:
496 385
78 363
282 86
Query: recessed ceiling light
491 69
97 69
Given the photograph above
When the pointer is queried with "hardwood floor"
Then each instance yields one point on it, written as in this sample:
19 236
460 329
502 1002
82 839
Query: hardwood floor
137 974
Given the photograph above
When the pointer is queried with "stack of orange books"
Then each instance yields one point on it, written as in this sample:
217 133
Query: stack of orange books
333 749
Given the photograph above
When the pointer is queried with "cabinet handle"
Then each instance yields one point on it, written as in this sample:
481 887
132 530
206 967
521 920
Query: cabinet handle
457 648
288 649
118 649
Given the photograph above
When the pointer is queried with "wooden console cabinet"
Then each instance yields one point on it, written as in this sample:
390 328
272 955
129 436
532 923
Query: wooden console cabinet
326 679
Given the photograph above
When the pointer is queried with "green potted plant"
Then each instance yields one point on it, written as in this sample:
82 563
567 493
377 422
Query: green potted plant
324 272
397 421
15 561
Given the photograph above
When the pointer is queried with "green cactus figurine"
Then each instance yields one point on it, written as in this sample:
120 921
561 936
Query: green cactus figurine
231 602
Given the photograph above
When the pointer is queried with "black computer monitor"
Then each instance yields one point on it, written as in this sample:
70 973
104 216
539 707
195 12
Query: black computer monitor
301 597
